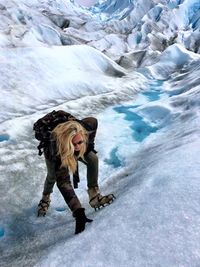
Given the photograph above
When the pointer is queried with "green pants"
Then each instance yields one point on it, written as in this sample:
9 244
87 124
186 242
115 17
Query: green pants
91 162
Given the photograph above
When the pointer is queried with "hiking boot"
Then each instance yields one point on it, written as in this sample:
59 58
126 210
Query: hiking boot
96 200
44 205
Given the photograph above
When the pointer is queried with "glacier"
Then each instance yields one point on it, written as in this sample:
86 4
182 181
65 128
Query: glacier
135 66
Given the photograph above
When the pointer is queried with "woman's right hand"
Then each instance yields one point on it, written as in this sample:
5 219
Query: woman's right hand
81 220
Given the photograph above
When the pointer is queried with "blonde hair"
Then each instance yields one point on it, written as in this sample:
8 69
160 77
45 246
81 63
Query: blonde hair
64 133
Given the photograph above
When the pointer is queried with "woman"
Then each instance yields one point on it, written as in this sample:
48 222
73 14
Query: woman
72 141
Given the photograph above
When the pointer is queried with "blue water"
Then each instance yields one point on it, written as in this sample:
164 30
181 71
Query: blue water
154 91
140 129
2 232
4 137
60 209
152 95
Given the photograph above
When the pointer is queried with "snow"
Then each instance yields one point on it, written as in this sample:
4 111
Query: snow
139 75
85 3
172 58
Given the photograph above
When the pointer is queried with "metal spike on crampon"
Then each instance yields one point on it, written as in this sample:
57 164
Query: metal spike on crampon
43 207
104 201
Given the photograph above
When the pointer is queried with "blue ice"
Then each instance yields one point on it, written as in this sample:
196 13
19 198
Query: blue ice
195 20
113 9
113 159
138 37
155 13
174 4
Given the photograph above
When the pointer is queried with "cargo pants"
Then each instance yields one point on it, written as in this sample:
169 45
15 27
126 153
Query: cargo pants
62 178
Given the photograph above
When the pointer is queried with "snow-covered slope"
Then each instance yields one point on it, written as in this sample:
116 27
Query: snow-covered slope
136 67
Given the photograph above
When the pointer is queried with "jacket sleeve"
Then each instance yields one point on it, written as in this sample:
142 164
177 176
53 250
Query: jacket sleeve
62 177
66 189
90 124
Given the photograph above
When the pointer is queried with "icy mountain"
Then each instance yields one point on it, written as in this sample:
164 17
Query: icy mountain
110 9
135 65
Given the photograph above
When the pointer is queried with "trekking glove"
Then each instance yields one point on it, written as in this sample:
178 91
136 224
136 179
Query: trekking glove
81 220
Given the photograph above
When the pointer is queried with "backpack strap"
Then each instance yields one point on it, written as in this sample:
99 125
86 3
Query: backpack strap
40 147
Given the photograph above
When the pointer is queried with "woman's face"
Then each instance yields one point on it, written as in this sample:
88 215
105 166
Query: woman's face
77 142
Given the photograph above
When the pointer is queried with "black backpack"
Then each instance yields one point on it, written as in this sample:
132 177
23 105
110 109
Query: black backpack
44 126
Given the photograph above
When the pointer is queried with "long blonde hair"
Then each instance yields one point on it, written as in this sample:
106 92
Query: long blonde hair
64 133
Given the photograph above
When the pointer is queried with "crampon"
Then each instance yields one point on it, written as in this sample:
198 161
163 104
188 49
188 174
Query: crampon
43 207
99 201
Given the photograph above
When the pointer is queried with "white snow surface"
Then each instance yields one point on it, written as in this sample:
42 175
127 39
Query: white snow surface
139 76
